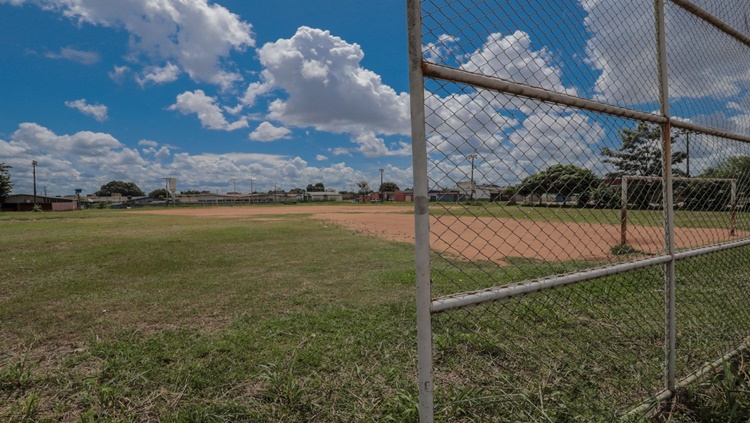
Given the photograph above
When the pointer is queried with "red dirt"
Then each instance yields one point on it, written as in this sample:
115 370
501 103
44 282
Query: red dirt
492 239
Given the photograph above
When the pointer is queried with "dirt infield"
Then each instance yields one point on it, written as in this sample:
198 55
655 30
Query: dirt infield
480 238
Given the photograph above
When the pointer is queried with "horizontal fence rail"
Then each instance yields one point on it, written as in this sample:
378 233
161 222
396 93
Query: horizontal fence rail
582 189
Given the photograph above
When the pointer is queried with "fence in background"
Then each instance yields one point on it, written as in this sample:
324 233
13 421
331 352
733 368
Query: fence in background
595 255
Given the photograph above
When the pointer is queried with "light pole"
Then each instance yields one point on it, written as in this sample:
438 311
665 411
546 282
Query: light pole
251 185
33 167
380 188
471 193
234 182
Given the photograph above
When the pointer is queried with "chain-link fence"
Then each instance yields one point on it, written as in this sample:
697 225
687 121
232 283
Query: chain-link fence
582 188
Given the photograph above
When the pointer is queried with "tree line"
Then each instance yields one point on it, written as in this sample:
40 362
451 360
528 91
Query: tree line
639 154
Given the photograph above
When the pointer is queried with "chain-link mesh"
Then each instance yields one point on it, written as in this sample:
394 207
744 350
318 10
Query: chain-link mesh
552 239
708 72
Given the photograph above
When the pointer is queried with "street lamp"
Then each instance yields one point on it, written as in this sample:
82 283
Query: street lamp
471 193
33 167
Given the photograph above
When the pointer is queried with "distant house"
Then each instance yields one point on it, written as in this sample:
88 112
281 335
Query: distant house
25 202
322 196
486 192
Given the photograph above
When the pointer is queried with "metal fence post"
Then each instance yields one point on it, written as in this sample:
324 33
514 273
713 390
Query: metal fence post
733 217
421 213
666 140
623 210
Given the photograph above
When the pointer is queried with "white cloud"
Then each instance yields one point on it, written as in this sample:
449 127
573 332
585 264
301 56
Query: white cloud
78 56
512 57
97 111
208 112
88 160
321 158
118 73
339 151
624 51
372 146
267 132
159 75
195 35
326 87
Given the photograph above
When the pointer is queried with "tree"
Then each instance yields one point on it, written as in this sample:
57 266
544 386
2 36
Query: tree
364 189
319 187
533 185
705 195
159 193
6 185
388 187
640 155
296 191
559 179
737 167
566 180
127 189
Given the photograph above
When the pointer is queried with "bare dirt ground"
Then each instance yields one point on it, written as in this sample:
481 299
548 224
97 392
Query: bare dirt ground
491 239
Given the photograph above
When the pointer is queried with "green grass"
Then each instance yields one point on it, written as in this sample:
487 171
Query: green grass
555 213
117 316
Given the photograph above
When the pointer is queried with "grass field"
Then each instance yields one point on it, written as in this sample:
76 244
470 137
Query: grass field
555 213
119 316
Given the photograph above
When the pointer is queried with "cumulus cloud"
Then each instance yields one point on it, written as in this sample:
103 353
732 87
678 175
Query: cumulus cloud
266 132
97 111
512 57
339 151
195 35
208 111
159 74
78 56
326 87
321 158
89 159
118 73
372 146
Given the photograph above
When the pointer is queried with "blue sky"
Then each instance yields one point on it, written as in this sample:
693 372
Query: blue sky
63 65
292 92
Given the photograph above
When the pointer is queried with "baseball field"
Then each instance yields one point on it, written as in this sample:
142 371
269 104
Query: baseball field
278 313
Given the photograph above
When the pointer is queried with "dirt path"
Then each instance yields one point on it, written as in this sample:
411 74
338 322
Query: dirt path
491 239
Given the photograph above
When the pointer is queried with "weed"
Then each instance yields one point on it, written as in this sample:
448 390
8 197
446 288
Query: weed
17 375
623 249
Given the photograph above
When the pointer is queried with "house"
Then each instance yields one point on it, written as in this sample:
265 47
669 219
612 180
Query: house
25 202
322 196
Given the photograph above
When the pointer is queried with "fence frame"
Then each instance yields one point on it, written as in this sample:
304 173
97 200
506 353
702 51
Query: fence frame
419 69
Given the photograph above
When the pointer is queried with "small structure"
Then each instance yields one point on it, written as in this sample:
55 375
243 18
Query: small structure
322 196
25 202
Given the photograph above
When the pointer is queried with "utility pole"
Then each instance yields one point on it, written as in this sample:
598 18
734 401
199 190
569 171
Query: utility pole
471 193
380 188
33 167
